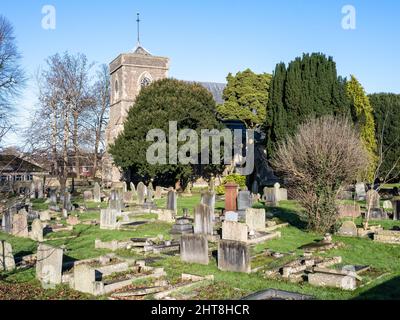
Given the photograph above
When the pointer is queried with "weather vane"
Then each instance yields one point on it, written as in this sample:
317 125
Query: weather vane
138 28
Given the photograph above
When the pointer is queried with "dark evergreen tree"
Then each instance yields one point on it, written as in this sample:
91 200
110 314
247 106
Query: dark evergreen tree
308 87
386 107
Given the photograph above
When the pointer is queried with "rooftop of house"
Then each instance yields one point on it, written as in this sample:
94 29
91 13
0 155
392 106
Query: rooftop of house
15 164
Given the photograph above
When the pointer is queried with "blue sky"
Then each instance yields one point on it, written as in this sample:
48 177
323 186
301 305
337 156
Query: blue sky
207 39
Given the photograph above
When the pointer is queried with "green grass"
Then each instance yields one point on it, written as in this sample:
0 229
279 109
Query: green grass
383 258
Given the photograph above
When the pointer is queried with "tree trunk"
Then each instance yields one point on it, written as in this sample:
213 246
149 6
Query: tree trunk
54 142
75 143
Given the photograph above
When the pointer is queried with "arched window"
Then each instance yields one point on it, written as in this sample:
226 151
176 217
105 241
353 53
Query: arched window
145 82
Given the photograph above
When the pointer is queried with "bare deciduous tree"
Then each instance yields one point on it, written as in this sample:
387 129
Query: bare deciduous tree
11 75
324 155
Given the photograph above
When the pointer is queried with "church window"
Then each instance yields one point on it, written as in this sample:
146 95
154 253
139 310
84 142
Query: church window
145 82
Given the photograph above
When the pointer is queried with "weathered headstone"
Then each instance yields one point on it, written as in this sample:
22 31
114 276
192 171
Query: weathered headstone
234 231
53 201
49 264
96 193
182 226
387 205
231 193
320 279
7 262
124 186
203 222
108 219
116 201
372 200
348 228
67 202
378 214
194 248
208 198
360 192
44 216
32 193
150 193
141 192
88 195
128 197
36 231
6 222
349 210
231 216
244 200
255 219
233 256
20 224
84 278
269 195
172 201
39 189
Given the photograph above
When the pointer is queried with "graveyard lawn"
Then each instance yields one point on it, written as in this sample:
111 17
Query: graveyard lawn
79 244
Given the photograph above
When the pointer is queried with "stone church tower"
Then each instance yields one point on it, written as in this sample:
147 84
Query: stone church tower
129 72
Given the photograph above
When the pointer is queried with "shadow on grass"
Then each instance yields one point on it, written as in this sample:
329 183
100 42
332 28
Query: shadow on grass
389 290
289 216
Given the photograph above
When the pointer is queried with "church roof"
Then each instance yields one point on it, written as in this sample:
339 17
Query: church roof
216 89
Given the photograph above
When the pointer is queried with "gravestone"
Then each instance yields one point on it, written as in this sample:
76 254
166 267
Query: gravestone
7 262
32 191
349 210
231 193
387 205
49 264
194 248
6 222
158 193
269 195
44 216
87 196
84 278
96 193
115 202
377 214
67 202
172 201
20 224
244 200
141 193
203 222
283 194
208 198
128 197
134 192
53 201
124 186
235 231
360 192
255 219
39 188
150 193
372 200
36 231
348 228
231 216
233 256
182 226
108 219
